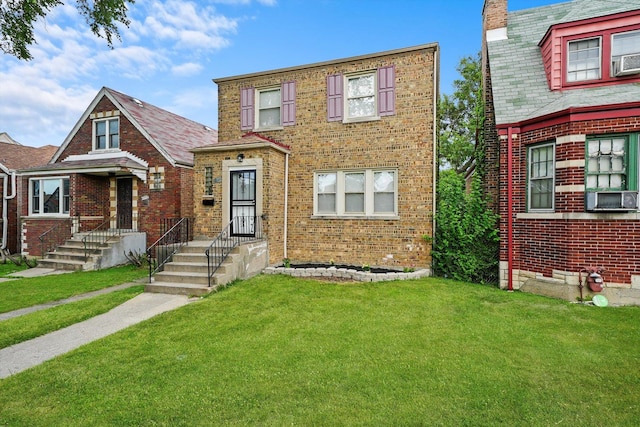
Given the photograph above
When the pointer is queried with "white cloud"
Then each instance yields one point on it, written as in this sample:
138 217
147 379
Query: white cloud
186 70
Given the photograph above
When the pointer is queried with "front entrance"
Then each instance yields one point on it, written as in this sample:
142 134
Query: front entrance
124 203
243 202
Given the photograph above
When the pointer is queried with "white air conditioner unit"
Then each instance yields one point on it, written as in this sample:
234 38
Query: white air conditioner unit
628 64
611 201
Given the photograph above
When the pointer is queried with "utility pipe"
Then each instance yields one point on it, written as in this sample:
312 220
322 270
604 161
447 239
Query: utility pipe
5 214
286 201
510 208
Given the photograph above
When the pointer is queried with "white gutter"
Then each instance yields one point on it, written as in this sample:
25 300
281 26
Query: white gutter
286 201
5 197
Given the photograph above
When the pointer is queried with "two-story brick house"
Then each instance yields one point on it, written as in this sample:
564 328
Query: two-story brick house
334 160
126 163
562 125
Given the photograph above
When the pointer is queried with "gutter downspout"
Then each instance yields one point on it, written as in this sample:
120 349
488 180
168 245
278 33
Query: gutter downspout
286 202
436 86
510 208
5 196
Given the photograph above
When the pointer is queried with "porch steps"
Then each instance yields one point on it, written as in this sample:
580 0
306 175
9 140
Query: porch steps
187 272
70 256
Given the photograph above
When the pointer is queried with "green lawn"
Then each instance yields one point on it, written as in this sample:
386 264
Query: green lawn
278 350
27 292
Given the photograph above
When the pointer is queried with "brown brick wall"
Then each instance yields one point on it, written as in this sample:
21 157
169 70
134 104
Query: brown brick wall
403 141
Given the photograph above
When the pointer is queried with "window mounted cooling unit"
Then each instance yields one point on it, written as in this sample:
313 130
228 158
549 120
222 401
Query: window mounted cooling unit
611 201
628 64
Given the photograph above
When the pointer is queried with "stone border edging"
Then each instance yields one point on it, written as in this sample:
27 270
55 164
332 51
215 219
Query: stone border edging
348 273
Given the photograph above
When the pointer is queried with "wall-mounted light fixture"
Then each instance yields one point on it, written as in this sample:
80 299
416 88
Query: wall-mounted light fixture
240 157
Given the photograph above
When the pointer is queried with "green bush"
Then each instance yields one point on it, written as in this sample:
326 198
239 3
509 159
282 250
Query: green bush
466 243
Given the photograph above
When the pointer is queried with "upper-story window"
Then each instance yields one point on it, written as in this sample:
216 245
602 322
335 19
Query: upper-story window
625 53
269 107
106 134
361 96
584 60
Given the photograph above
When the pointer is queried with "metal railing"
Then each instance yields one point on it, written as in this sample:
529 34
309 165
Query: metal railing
55 236
161 251
103 232
239 230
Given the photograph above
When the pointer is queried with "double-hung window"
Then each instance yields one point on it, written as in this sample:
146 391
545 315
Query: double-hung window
584 59
349 193
106 134
49 196
625 53
541 171
269 107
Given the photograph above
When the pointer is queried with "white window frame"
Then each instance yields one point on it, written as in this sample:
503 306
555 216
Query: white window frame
349 118
257 108
369 192
569 71
108 142
550 175
61 197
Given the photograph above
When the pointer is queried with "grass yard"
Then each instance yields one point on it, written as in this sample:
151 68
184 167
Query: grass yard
278 350
8 267
27 292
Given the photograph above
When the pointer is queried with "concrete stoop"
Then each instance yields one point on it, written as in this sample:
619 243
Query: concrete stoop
187 272
70 256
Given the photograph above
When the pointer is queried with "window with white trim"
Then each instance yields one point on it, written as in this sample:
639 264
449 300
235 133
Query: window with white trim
365 192
360 99
541 184
584 60
49 196
268 110
106 134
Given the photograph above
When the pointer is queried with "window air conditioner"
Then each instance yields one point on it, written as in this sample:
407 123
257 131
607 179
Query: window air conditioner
611 201
628 64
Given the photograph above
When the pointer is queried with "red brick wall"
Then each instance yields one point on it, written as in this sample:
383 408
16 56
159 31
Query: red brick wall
579 239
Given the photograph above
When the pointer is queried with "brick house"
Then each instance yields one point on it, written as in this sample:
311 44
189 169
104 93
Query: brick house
334 160
125 162
15 156
562 126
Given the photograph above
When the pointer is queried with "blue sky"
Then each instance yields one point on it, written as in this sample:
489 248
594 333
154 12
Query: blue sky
173 49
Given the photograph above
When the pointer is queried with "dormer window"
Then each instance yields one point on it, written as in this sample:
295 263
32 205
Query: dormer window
106 134
584 60
625 53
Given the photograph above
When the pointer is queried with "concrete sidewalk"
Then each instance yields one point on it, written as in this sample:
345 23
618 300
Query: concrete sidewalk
25 355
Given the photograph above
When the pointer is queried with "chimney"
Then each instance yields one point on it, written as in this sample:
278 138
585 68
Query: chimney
494 15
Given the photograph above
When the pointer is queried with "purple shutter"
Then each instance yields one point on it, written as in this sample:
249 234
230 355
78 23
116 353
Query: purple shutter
246 108
288 103
334 97
386 91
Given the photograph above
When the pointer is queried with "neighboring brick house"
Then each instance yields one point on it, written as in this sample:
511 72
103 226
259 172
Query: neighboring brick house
563 120
14 156
125 161
336 158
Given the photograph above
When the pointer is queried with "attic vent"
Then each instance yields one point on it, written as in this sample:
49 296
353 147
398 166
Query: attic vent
137 101
629 64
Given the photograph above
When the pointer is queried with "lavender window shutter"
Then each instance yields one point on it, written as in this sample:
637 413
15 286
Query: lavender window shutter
288 103
246 108
386 91
334 97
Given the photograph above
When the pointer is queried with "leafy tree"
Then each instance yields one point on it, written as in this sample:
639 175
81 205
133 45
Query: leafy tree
17 19
460 117
466 238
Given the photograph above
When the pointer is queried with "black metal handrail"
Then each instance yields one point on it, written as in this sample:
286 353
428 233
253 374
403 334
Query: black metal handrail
161 251
100 235
55 236
239 230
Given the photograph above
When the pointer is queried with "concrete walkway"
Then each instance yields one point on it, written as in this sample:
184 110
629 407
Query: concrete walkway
25 355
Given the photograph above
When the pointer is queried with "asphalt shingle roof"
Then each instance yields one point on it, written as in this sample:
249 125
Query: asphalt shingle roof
16 156
520 89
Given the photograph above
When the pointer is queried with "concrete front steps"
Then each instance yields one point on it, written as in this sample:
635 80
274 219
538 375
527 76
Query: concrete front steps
70 256
187 272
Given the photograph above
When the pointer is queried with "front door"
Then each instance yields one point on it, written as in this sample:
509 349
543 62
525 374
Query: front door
124 203
243 202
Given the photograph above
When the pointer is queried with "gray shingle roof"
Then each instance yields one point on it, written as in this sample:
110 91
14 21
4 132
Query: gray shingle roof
520 89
